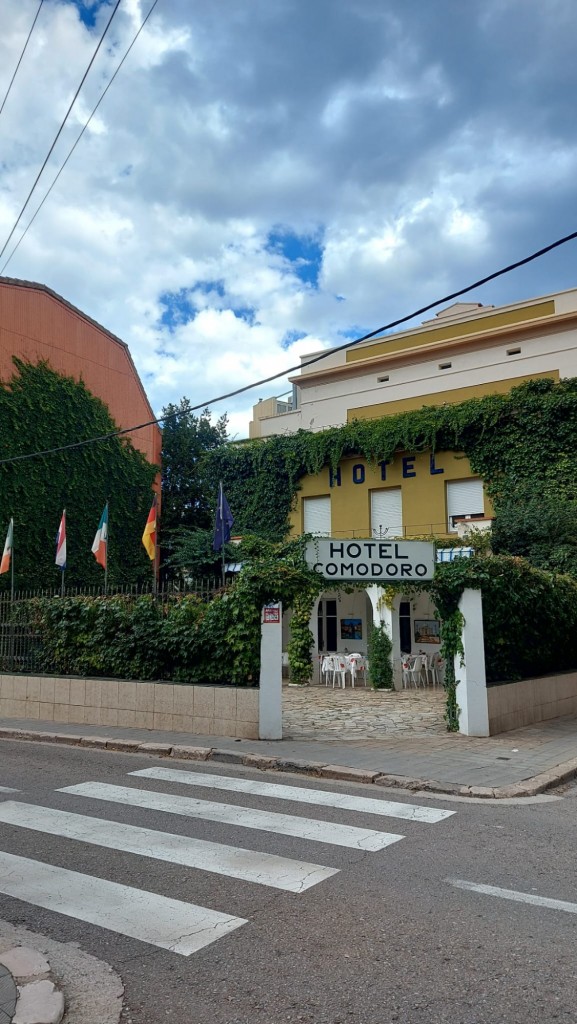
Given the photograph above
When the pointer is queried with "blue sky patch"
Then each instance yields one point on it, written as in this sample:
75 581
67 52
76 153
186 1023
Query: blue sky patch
289 338
88 9
178 309
304 252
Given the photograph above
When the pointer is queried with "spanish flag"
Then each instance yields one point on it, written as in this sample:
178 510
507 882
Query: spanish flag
7 554
149 535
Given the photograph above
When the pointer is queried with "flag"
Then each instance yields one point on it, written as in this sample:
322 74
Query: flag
7 555
61 543
149 535
100 545
223 523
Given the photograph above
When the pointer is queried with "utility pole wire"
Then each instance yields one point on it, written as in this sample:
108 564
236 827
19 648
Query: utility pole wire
301 365
60 130
21 56
71 151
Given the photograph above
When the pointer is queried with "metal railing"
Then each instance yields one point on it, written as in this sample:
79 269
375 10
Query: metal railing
21 649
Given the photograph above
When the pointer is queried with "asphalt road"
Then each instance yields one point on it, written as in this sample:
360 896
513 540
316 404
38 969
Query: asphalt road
388 937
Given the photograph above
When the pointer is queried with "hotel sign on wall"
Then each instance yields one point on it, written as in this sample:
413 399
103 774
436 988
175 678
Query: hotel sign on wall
368 560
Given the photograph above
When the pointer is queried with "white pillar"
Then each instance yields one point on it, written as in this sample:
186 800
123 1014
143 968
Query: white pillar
313 626
386 616
472 683
270 691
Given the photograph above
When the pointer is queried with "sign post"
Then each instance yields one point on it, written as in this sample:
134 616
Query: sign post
270 691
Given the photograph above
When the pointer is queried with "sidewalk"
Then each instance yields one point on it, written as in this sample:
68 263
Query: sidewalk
520 763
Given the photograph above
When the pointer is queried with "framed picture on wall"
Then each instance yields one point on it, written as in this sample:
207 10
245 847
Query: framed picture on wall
427 631
351 629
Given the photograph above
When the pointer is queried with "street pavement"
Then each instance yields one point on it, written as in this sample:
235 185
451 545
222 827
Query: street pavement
228 895
496 762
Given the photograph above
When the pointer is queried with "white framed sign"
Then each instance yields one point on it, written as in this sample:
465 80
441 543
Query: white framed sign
383 560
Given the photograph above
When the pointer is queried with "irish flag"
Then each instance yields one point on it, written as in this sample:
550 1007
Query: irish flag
100 545
149 535
7 555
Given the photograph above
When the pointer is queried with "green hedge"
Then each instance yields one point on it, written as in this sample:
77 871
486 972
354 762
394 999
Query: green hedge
185 641
529 616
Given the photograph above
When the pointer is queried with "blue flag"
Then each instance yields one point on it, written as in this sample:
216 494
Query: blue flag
223 523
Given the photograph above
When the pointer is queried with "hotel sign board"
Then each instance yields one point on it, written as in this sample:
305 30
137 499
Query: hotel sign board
384 561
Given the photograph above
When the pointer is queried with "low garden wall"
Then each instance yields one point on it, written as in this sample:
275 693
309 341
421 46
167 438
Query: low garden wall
199 710
514 705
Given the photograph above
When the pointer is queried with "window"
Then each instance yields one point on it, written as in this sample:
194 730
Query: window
387 512
513 351
327 625
383 380
464 500
317 516
445 366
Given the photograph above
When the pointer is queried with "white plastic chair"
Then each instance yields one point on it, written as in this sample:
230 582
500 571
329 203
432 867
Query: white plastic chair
327 669
418 670
406 667
435 668
340 668
356 664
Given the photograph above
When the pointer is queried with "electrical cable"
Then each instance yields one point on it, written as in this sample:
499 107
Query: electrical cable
61 129
71 151
21 57
299 366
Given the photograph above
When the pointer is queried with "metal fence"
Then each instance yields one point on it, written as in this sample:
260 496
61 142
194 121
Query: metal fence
20 642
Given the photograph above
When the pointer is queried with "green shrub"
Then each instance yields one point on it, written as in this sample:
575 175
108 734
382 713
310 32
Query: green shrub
379 649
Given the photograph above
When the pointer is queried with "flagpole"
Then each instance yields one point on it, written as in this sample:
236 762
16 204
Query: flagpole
63 570
12 568
107 561
221 511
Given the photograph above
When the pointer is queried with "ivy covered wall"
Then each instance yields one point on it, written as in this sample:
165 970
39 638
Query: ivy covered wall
39 409
521 443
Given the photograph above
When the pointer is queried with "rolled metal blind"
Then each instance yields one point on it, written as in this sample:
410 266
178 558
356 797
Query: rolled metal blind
317 516
464 498
387 512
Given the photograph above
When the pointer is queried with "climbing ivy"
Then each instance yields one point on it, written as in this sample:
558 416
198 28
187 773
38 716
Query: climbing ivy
528 436
40 409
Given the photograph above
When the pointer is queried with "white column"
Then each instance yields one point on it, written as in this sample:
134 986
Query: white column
313 626
472 684
386 616
270 691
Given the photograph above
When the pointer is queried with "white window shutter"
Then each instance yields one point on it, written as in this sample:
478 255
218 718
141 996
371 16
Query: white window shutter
387 512
317 516
464 498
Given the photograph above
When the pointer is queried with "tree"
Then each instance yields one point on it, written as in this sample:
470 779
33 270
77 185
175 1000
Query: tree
188 491
40 410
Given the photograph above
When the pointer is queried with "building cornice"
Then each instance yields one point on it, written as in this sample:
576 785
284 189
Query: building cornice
419 353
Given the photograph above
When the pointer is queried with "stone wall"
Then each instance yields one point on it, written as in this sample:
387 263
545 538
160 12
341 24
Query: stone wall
514 705
199 710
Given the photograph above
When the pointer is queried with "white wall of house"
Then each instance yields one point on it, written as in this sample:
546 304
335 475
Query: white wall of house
324 404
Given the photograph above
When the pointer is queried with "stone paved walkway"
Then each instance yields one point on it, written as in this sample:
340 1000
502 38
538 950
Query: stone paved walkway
317 712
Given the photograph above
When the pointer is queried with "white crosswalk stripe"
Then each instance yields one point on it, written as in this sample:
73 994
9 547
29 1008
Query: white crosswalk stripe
171 924
162 921
260 868
246 817
342 801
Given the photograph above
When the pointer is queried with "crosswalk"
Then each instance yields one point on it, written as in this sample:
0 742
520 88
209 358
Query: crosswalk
174 924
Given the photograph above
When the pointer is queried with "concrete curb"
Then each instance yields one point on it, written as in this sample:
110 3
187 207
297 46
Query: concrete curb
527 787
36 998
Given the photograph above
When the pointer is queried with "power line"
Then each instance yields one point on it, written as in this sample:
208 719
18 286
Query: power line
300 366
61 128
21 56
71 151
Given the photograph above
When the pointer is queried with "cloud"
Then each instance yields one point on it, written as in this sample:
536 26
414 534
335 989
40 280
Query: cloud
273 181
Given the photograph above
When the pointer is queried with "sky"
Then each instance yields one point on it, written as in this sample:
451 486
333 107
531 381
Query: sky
265 178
